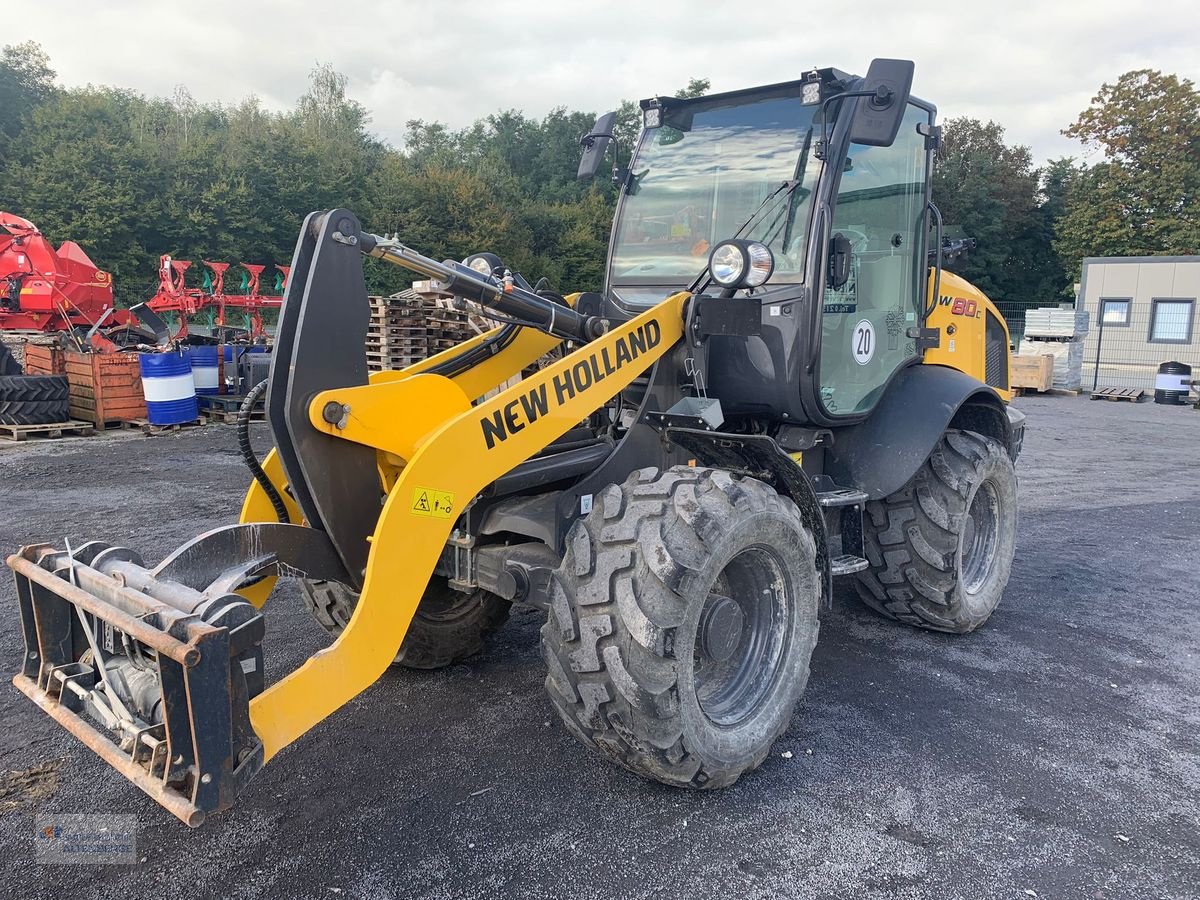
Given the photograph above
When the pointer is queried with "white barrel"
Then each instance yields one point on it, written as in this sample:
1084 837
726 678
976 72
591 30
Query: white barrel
204 368
168 388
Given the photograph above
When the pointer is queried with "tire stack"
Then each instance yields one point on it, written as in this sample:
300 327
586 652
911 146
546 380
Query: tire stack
30 399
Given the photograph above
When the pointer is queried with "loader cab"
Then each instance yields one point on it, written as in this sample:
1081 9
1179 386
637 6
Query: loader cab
792 159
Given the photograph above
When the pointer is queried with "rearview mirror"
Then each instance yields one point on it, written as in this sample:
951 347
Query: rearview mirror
595 145
877 118
839 261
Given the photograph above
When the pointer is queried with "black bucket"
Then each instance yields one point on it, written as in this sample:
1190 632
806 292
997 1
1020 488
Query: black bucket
1170 387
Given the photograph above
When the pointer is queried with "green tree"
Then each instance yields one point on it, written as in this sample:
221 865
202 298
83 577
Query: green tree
26 80
131 177
696 87
80 175
988 190
1142 198
629 115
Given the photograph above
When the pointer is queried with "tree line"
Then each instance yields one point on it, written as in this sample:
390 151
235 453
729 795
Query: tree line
130 177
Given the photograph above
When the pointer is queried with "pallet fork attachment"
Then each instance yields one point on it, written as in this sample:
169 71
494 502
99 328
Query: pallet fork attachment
168 661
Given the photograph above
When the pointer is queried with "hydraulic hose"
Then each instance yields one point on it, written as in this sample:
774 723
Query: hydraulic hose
252 463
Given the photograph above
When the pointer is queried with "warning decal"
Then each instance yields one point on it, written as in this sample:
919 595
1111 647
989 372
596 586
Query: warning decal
436 504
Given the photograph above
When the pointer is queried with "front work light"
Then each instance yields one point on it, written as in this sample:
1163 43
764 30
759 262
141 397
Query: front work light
652 117
740 263
486 264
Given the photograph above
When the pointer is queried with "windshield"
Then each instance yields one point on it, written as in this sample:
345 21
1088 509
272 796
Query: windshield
697 178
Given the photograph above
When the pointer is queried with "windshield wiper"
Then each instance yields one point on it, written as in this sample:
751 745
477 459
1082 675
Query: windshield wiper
784 188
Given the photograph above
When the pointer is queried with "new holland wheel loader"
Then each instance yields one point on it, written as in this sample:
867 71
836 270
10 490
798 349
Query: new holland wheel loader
777 386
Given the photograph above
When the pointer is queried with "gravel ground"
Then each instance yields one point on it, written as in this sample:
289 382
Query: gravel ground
1054 753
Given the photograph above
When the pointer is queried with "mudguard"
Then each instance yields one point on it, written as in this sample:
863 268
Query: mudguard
880 455
760 456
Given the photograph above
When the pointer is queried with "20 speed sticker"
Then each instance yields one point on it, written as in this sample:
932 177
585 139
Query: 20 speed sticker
862 342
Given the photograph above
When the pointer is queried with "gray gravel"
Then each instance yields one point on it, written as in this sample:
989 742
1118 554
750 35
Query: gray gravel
1013 762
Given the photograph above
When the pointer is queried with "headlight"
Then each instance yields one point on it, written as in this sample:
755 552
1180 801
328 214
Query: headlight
727 264
741 263
486 264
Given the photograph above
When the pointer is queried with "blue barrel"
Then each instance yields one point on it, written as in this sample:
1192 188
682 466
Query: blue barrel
205 374
168 388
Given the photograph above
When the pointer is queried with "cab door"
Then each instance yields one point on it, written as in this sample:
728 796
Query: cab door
880 208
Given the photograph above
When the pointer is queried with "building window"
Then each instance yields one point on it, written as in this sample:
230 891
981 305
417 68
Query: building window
1114 312
1171 321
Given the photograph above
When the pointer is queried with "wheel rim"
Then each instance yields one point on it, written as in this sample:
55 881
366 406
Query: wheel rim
741 637
981 533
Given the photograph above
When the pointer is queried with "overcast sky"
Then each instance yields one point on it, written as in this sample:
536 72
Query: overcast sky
1030 66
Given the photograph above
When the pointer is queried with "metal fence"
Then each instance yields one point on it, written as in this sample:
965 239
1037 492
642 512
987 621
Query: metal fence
1123 349
1014 314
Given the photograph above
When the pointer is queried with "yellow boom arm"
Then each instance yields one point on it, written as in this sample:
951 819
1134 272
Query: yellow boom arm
443 452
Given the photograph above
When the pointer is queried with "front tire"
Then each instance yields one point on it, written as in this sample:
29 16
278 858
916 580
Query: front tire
682 621
447 627
941 548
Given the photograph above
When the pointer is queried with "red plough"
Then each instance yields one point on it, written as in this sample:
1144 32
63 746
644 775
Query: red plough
175 296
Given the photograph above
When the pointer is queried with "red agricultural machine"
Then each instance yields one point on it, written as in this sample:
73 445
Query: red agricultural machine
43 289
176 297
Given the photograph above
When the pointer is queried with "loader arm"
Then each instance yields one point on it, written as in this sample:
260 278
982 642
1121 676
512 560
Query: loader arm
443 451
159 670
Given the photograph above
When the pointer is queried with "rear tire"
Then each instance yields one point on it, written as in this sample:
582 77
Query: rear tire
33 399
682 621
448 626
941 548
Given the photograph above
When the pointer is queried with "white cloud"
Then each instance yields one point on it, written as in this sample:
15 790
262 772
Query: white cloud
1031 67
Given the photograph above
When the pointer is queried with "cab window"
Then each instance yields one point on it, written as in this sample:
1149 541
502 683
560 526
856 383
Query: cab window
880 210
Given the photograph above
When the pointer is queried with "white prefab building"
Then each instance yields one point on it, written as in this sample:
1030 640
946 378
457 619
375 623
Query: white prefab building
1143 313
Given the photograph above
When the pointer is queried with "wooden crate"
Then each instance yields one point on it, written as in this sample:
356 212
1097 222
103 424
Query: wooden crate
106 388
1035 373
44 359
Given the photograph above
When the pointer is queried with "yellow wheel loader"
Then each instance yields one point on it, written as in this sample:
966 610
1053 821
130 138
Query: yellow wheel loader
777 386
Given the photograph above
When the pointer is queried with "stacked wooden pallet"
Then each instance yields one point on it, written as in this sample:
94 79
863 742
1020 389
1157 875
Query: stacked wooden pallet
410 326
448 327
396 335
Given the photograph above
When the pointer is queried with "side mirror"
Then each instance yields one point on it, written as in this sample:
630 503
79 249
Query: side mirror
839 261
595 145
877 118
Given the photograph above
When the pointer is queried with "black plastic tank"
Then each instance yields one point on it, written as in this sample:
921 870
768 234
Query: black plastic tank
1171 385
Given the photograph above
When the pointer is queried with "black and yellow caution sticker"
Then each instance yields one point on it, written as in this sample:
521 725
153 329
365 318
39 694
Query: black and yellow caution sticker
436 504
